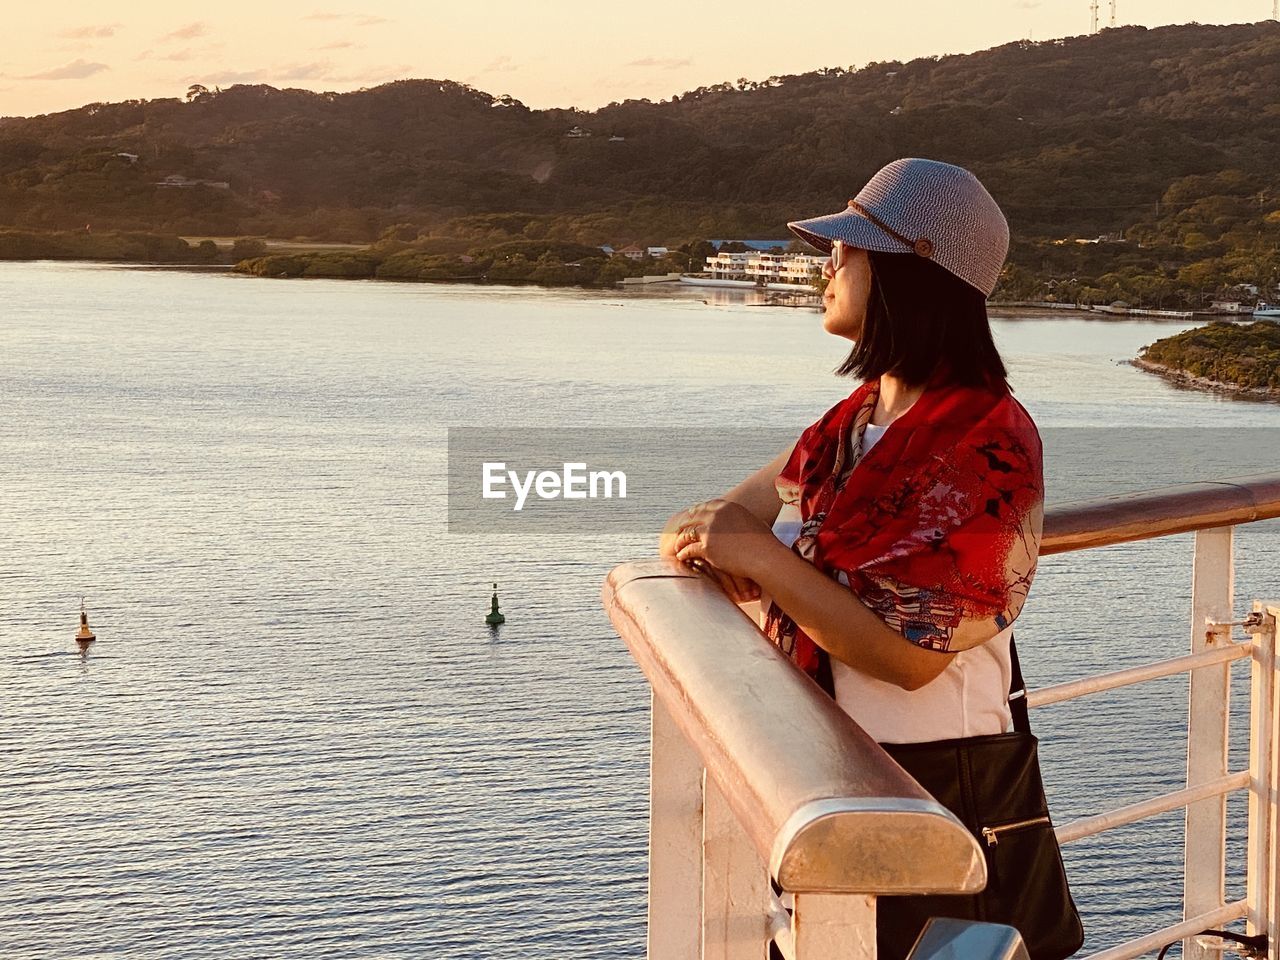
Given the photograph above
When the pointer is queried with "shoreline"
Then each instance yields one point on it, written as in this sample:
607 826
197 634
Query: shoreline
786 300
1189 381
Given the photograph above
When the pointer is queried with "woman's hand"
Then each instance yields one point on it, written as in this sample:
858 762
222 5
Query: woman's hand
725 535
738 589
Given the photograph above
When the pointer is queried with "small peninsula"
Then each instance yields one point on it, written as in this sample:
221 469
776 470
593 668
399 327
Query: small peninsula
1243 359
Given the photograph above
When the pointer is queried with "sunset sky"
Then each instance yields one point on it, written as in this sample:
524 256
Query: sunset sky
549 53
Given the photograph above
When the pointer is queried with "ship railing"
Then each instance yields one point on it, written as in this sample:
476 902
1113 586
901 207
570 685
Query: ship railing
775 818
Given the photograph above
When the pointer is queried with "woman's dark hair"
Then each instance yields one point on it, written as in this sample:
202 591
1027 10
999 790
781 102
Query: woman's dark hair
921 321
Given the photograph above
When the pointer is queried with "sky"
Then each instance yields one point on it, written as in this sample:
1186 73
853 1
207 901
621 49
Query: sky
561 53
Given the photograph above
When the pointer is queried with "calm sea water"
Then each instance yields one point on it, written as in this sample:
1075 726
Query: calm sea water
296 737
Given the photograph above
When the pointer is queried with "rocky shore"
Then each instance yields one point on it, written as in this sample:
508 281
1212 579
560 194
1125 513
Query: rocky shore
1190 381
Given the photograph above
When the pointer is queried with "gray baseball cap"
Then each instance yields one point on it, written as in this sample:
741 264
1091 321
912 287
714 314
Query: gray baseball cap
936 210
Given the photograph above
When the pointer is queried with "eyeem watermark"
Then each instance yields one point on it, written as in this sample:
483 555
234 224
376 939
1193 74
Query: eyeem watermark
573 482
627 481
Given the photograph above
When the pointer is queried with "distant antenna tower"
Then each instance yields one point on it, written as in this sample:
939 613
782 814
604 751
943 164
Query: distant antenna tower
1093 14
1113 13
1275 9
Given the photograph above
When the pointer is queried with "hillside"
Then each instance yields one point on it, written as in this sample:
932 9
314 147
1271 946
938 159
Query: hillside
1168 135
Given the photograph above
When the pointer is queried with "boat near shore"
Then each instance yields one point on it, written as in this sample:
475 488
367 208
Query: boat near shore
645 281
1268 310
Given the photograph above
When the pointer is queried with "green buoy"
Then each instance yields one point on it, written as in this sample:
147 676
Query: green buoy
495 616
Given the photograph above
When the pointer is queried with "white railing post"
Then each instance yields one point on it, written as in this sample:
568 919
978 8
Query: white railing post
735 885
675 842
1212 589
1262 775
834 927
746 787
1272 893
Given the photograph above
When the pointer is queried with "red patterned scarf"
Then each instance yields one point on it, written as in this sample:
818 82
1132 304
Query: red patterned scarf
938 526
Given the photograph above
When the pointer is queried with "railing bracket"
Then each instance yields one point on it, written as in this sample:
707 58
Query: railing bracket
1253 623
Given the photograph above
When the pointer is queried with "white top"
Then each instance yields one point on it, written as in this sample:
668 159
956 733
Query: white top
969 698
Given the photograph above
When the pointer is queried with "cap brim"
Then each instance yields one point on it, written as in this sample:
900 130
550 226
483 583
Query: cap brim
847 227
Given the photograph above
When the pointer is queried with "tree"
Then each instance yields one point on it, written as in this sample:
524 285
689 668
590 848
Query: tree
246 248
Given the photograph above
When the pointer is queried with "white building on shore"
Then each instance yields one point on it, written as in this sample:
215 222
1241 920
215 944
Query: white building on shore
774 271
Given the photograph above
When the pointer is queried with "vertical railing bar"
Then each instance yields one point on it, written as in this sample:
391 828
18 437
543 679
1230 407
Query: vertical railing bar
735 884
828 926
1261 759
675 841
1272 891
1204 858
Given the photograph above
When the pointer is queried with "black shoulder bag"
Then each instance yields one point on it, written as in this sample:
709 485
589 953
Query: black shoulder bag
992 784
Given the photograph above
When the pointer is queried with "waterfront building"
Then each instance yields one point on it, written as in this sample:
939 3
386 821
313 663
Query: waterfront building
774 270
1227 306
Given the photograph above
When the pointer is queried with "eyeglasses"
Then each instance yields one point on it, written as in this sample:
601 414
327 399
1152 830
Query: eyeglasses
837 255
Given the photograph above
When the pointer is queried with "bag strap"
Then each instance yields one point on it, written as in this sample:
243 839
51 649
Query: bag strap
1018 692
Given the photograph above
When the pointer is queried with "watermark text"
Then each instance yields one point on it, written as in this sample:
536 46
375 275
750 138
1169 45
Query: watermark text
572 482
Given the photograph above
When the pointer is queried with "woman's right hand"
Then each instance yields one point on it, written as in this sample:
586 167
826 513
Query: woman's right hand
738 589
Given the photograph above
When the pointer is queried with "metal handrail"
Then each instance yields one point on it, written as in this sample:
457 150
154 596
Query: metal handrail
824 806
820 806
1123 518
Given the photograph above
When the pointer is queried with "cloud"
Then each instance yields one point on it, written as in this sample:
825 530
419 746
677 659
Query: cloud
340 45
177 56
293 72
500 65
181 55
91 31
189 32
229 77
360 20
316 70
381 74
662 63
75 70
1027 4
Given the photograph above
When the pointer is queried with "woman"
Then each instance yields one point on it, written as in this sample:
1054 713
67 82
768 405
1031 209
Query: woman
893 545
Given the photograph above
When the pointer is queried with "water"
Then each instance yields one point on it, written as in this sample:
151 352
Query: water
295 736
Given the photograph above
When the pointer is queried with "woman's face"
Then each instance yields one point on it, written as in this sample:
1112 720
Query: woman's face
844 303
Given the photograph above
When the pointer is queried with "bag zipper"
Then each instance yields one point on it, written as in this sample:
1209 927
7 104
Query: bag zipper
992 834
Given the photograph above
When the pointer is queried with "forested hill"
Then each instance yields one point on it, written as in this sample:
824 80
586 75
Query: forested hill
1082 136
